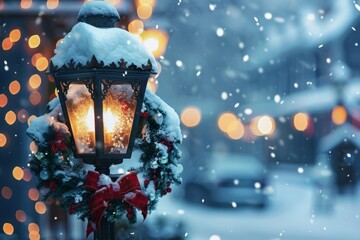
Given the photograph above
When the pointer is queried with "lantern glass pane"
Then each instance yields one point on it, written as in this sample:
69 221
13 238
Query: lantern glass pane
119 108
80 109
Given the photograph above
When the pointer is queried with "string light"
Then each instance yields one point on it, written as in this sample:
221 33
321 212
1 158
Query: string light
33 194
3 100
15 35
18 173
10 117
6 44
35 81
6 192
40 207
8 229
144 11
3 140
42 64
52 4
20 216
25 4
34 41
14 87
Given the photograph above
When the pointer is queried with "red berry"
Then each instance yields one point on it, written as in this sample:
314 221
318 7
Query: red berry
169 190
146 182
129 215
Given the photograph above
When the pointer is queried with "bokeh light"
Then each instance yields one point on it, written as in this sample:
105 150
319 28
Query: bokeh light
14 87
225 122
33 227
155 41
6 192
34 41
35 98
20 216
3 140
339 115
191 116
25 4
35 57
136 27
236 131
30 118
40 207
52 4
33 194
42 64
35 81
33 147
301 121
8 229
266 125
34 235
23 116
27 175
15 35
144 11
18 173
6 44
10 117
3 100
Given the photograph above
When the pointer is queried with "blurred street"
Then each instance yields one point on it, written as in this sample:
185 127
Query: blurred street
290 215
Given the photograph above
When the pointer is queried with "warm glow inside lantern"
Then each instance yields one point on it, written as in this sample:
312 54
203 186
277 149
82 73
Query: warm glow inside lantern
101 113
101 73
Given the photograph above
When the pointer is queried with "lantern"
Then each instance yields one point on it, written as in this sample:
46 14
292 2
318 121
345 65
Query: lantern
101 74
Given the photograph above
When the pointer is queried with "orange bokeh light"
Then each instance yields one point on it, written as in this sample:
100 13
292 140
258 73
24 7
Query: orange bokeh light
6 192
6 44
31 118
136 27
225 122
8 229
42 64
40 207
20 216
35 81
14 87
33 194
52 4
301 121
3 100
25 4
15 35
34 41
191 116
33 227
3 140
144 11
10 117
35 57
18 173
339 115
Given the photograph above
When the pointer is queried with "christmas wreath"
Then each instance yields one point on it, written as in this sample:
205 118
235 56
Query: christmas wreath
92 195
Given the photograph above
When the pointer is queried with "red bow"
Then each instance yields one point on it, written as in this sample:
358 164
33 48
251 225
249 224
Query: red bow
126 188
58 143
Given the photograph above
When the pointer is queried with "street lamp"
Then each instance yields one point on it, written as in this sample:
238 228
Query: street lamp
101 74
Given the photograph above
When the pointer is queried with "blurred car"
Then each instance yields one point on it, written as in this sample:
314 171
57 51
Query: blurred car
240 179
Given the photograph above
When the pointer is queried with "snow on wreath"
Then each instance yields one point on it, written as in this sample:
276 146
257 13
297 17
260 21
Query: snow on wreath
92 195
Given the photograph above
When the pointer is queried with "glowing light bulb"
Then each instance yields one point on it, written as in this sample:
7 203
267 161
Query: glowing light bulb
109 121
90 123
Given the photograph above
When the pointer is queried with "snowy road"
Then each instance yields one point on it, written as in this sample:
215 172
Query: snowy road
290 216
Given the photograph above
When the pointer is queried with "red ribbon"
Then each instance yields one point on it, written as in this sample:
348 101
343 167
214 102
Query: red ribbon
58 143
126 188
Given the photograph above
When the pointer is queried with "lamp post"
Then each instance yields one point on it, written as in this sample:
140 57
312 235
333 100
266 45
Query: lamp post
101 74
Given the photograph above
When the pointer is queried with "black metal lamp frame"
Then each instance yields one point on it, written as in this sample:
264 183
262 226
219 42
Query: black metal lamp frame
98 81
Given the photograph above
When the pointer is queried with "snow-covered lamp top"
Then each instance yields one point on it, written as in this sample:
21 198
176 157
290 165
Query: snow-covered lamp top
93 43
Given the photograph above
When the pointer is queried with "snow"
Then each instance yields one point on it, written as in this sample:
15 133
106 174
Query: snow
106 44
171 119
100 8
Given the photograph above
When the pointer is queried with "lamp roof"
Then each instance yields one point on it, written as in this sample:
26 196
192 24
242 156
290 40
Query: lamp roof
96 44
